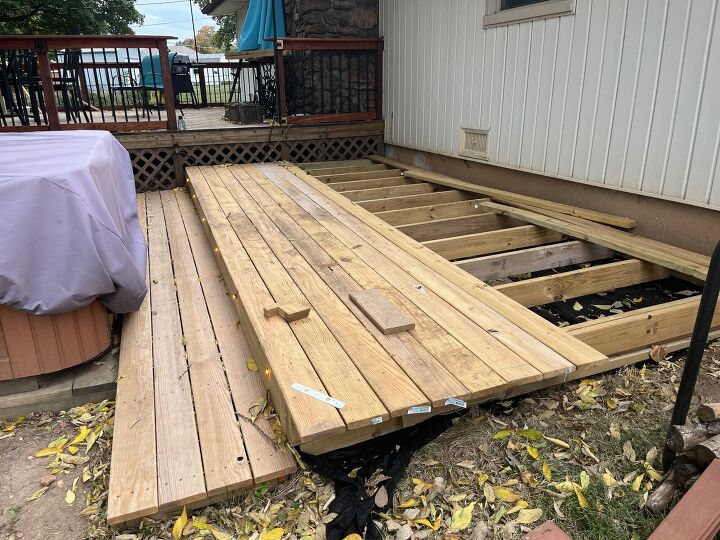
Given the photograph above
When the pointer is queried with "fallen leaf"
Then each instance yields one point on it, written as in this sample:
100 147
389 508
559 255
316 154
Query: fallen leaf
557 442
629 451
506 494
635 486
462 516
503 433
580 497
47 452
70 497
525 517
273 534
546 471
251 365
37 494
381 497
534 452
353 536
180 525
577 306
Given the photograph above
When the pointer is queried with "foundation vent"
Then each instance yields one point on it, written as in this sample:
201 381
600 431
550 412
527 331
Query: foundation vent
473 143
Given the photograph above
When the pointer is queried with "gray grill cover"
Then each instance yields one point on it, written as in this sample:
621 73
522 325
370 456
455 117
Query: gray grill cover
69 228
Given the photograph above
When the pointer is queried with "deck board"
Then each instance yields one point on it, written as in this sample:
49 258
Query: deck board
189 304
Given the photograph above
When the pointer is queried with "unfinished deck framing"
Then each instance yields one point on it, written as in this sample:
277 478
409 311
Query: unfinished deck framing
292 239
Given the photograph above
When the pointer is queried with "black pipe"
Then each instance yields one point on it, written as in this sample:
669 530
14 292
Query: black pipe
706 311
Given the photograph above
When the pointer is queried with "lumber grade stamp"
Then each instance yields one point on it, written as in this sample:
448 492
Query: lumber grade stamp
381 312
289 312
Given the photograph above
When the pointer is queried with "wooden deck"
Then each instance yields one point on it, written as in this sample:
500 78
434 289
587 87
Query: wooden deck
183 435
308 240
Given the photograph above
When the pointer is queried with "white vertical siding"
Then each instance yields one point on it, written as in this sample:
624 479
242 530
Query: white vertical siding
623 93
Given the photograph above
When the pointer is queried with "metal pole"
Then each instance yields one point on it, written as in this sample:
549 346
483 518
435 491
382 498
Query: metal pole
192 18
706 311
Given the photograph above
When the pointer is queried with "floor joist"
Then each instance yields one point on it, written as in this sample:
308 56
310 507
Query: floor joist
432 212
535 259
392 191
455 226
353 185
472 245
576 283
343 170
412 201
368 175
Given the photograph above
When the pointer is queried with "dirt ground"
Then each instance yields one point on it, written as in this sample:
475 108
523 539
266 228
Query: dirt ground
585 454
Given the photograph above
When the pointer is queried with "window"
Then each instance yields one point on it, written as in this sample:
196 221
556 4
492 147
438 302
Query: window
503 12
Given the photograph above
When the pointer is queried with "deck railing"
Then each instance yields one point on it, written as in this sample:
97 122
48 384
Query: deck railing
119 83
330 80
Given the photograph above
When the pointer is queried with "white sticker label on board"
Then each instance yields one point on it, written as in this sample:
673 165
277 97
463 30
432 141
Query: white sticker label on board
457 402
420 410
318 395
376 421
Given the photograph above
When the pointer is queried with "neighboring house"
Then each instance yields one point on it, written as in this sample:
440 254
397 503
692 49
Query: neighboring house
615 93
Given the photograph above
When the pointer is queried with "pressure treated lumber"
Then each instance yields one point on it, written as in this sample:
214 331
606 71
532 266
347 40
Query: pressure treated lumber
455 283
393 191
353 185
412 201
455 226
289 312
432 212
180 480
640 327
289 281
351 169
482 243
224 460
375 379
535 259
336 163
685 262
351 273
133 470
381 312
507 196
302 416
575 283
267 460
369 175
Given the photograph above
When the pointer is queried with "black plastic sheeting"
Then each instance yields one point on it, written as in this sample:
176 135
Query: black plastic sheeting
389 454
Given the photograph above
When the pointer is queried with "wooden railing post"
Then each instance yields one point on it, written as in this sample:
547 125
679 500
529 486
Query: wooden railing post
379 79
41 48
280 78
203 90
167 84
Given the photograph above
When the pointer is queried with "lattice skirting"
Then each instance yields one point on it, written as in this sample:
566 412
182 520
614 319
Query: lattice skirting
154 168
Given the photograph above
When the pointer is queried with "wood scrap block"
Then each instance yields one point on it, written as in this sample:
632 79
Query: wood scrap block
546 531
289 312
709 412
381 312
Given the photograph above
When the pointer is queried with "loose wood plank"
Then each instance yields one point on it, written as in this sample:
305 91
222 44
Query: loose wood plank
344 177
508 196
133 489
444 228
224 458
412 201
393 191
381 312
179 464
545 332
646 326
432 212
534 259
266 459
472 245
565 285
683 261
303 417
369 184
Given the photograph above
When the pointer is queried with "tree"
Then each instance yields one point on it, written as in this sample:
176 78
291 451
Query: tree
224 33
68 16
205 38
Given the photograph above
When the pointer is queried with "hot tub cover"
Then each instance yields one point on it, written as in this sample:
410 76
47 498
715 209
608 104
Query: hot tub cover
69 230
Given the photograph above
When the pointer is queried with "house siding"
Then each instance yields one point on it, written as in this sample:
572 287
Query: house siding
622 94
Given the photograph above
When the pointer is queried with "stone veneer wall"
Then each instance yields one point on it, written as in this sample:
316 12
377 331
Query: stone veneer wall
332 18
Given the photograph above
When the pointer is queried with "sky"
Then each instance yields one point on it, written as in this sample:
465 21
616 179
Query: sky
170 18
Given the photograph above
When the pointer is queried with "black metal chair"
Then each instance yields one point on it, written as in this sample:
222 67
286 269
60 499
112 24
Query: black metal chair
67 82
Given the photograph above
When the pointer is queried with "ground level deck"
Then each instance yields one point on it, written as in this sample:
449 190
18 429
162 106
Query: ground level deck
310 240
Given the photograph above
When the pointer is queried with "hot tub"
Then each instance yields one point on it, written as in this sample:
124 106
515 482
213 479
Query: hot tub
37 344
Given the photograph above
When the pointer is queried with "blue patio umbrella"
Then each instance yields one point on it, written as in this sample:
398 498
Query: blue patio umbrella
259 25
